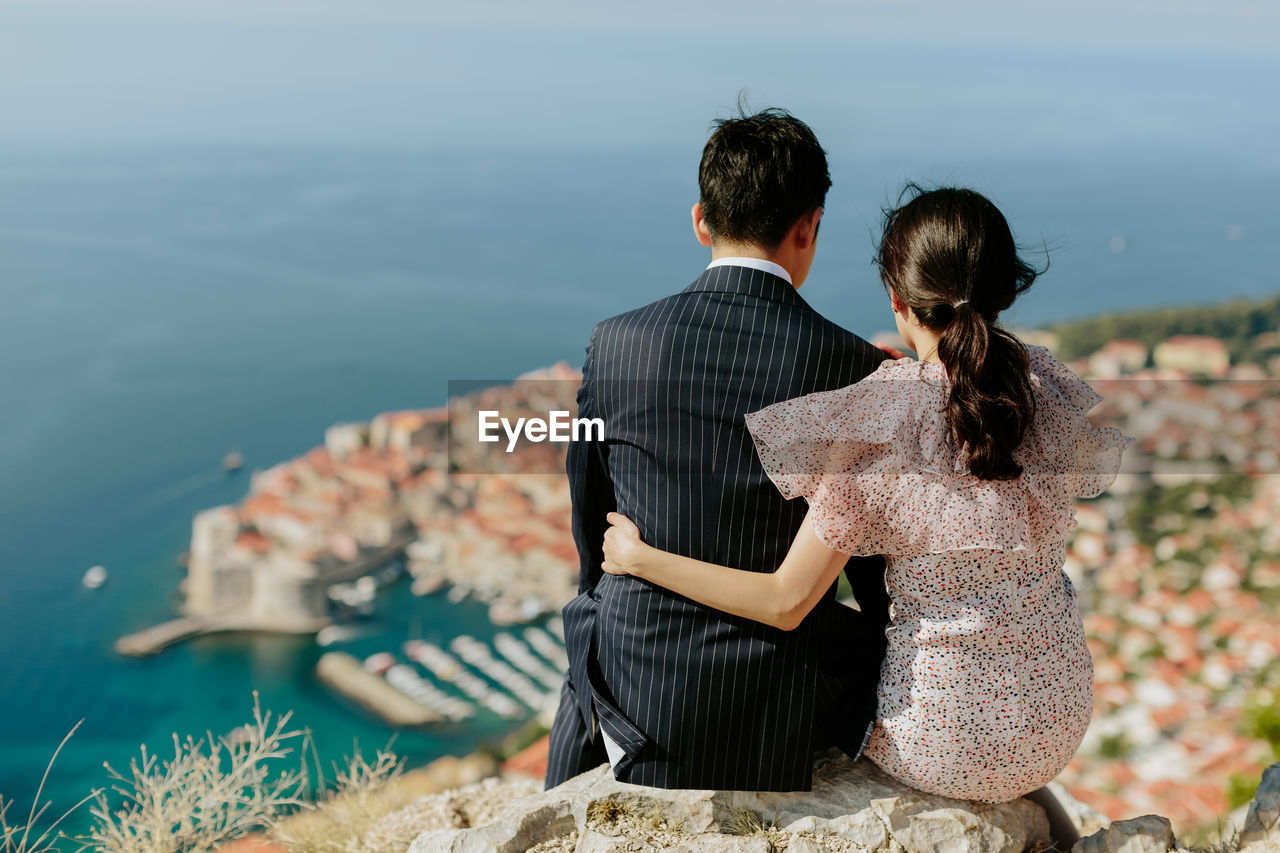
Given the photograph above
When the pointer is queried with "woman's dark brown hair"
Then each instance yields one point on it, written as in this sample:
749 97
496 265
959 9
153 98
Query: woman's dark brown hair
949 254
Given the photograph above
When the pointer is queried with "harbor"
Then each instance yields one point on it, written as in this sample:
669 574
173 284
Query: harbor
426 685
317 538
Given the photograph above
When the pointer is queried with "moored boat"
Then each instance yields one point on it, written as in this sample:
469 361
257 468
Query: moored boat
95 577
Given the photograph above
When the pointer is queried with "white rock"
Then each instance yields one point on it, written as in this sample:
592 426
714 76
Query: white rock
596 842
918 827
1261 832
1086 818
853 805
1146 834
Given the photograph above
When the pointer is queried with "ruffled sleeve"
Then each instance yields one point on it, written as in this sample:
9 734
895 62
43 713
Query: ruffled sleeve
1065 455
805 441
876 463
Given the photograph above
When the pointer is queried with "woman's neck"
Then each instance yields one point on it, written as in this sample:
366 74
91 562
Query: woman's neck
925 343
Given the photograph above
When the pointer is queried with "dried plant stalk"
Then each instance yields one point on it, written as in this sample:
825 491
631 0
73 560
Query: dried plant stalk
210 792
341 817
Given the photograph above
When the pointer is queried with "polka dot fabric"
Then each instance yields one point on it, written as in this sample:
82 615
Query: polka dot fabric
987 685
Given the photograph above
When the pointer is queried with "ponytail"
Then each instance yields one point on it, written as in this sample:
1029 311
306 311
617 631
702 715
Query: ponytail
949 255
991 404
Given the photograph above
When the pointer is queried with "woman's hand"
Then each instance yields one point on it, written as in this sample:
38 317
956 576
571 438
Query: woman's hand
623 549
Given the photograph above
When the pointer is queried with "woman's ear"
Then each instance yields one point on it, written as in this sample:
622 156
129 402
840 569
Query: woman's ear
899 307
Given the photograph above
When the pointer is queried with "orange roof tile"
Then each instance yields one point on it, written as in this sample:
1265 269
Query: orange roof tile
254 541
251 844
531 761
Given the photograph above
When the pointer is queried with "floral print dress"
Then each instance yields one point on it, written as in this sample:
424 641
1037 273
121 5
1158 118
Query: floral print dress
987 685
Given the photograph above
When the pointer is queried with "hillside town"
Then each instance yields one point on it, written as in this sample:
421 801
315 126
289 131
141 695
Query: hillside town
1179 573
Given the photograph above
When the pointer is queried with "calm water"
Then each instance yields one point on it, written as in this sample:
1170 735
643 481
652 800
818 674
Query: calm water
163 306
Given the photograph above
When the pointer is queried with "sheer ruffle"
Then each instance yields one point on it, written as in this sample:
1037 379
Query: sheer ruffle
882 476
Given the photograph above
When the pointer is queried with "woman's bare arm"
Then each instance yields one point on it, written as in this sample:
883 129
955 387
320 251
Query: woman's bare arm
781 598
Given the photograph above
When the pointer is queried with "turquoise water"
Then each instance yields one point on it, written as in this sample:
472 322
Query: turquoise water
163 306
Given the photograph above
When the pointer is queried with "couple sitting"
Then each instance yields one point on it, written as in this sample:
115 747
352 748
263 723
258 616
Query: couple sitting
706 645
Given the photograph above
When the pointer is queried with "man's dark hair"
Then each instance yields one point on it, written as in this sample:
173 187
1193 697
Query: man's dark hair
759 174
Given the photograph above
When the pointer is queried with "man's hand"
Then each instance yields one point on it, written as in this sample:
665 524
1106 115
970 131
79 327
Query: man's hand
892 352
623 549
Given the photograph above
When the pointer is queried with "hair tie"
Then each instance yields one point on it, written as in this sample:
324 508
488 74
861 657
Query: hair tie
960 302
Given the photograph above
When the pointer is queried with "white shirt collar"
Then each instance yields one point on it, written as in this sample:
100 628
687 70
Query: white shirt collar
755 264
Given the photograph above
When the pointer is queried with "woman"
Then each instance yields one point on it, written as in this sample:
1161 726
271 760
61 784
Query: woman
961 469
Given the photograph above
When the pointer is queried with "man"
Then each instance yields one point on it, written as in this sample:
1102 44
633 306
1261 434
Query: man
673 694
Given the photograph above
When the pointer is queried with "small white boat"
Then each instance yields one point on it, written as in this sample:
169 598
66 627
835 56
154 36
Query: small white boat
365 589
95 577
424 551
330 634
379 662
233 461
503 612
427 585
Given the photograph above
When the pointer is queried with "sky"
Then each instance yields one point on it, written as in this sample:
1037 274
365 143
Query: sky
988 76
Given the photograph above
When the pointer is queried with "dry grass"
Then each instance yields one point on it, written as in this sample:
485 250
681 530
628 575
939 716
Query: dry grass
1044 846
344 814
632 819
210 792
17 838
215 790
605 813
743 822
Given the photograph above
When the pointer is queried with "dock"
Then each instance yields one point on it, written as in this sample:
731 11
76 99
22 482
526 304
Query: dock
151 640
157 638
344 674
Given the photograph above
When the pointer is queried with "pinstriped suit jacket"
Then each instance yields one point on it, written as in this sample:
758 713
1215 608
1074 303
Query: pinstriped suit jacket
698 698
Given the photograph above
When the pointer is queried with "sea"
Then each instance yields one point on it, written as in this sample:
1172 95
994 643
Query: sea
161 306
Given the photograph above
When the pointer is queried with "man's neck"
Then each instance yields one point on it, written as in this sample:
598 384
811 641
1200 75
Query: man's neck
753 263
741 250
720 251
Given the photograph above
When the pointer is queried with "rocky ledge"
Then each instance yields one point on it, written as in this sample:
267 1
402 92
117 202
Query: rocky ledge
852 807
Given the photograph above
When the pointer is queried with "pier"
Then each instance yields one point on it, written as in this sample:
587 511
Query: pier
344 674
158 637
